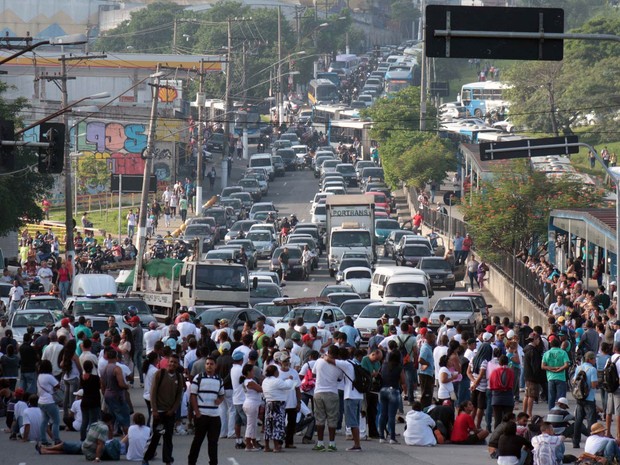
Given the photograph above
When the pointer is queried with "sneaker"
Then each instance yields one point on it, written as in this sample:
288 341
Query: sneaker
393 441
239 445
382 441
332 449
319 448
252 449
354 449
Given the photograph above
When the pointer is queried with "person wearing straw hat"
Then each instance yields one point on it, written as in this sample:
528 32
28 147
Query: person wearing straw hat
599 444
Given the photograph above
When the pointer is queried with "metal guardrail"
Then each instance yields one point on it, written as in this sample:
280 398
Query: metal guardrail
527 282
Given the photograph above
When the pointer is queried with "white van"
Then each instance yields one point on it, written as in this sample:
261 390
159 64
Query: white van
383 274
263 160
411 289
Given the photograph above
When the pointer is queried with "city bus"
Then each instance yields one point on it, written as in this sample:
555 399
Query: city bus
322 91
399 77
482 97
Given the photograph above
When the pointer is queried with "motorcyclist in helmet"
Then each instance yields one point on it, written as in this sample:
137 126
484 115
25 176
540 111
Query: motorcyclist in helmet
294 220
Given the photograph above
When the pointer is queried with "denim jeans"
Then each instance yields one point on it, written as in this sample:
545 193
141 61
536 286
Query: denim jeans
388 398
137 364
410 380
50 412
28 382
162 426
557 389
89 416
63 287
464 393
208 427
611 451
71 386
584 410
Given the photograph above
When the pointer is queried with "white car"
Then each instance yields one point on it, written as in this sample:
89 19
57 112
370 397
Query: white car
332 316
366 322
263 241
318 196
359 279
319 216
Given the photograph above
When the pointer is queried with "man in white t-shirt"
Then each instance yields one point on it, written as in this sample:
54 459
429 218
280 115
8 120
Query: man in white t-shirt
326 401
245 348
31 420
599 444
151 337
293 399
557 308
352 401
16 294
238 398
20 406
45 274
137 438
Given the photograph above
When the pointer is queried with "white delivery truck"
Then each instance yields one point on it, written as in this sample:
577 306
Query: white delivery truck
350 226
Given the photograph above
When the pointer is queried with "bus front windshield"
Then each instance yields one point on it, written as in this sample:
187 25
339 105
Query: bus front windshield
351 239
210 277
396 86
326 93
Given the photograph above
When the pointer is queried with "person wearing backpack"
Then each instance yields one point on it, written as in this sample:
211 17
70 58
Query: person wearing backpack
611 380
585 383
555 362
501 383
548 448
409 354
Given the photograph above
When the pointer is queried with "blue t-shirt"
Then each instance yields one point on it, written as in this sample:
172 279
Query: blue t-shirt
458 243
426 353
592 377
351 332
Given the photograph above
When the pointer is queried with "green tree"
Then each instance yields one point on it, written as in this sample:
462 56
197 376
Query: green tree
22 189
511 212
92 173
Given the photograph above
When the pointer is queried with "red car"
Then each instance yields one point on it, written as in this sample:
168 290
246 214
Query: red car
380 200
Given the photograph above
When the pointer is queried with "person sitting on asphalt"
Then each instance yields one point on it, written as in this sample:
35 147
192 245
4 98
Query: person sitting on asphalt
419 429
599 444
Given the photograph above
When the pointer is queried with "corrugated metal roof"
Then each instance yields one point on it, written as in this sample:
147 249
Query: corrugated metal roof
607 216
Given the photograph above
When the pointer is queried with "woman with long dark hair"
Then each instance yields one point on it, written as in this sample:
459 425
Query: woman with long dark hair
478 376
71 372
275 391
392 378
251 406
91 400
455 349
127 348
149 368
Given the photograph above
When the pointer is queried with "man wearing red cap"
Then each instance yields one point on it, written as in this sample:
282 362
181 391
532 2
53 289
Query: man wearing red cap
307 342
65 329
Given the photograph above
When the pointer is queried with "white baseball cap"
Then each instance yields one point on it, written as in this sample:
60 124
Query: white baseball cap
321 324
486 337
510 334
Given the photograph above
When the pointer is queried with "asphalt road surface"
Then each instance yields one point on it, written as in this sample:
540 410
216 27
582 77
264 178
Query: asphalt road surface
292 194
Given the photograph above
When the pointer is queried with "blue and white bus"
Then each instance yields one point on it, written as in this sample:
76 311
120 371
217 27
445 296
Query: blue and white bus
322 92
482 97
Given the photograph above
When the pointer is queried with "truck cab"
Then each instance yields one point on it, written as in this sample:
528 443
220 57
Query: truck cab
349 237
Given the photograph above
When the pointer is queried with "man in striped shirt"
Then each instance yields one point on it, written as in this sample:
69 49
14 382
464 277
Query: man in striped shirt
206 393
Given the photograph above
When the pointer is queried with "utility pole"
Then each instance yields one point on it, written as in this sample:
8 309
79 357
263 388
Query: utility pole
200 99
423 69
146 181
228 108
279 88
63 78
174 36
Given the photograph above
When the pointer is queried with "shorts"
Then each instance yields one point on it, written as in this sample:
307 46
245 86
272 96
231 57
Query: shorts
532 389
240 417
613 403
479 399
352 410
326 408
471 440
72 447
120 409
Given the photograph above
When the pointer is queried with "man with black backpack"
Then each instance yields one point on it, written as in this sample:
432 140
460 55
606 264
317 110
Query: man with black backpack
585 383
612 386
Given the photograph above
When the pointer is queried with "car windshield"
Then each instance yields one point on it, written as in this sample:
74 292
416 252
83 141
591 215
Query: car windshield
141 306
345 169
218 215
270 310
417 251
436 265
338 298
333 289
248 183
351 239
242 196
310 315
261 161
197 230
262 208
222 254
353 307
265 291
405 290
209 317
387 224
48 304
259 236
449 305
293 253
36 319
96 307
210 277
358 274
350 263
320 210
377 311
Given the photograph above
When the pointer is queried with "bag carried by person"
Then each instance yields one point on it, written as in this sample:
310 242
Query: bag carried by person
581 386
362 381
502 380
611 381
309 381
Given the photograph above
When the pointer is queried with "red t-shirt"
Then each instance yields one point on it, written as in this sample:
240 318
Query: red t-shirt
463 424
63 275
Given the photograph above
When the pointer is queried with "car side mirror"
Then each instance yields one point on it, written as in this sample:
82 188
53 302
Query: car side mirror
183 280
380 293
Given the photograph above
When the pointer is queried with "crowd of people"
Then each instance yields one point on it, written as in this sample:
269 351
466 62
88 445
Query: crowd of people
261 386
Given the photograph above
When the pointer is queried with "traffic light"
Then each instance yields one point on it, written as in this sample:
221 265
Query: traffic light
7 153
51 159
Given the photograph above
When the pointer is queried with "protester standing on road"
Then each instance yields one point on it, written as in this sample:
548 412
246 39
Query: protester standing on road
586 408
166 395
212 175
275 392
426 372
207 393
326 400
